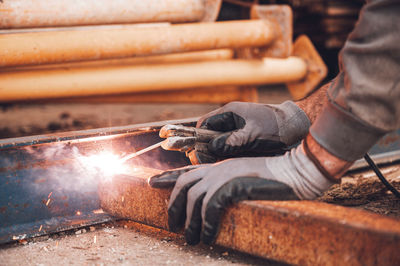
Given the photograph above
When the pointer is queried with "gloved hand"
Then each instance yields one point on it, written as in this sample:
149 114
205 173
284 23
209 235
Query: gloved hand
253 127
201 195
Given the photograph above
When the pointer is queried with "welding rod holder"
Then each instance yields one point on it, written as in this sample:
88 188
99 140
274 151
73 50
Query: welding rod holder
183 138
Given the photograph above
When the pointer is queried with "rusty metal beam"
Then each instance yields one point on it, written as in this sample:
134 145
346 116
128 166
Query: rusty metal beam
44 13
305 233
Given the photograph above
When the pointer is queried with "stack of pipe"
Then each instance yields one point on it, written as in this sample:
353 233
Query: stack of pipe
60 57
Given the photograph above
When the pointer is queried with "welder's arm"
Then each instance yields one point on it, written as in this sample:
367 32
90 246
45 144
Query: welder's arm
364 99
202 193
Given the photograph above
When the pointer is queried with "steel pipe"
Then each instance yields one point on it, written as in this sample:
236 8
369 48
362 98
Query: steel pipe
105 42
58 83
44 13
197 56
221 95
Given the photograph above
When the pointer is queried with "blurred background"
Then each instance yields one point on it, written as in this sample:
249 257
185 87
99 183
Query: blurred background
327 23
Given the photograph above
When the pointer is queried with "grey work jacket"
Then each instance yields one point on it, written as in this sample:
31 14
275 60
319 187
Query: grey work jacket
364 99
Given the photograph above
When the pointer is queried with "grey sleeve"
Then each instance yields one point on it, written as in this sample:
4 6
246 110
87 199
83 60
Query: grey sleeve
364 99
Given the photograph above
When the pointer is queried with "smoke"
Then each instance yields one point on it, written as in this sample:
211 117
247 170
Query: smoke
65 167
80 167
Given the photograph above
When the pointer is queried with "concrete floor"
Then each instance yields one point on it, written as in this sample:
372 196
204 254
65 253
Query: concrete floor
120 243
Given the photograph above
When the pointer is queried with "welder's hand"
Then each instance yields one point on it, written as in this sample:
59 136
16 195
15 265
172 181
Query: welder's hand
167 179
200 196
255 127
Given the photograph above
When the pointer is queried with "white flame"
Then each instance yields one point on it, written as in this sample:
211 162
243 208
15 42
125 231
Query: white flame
106 164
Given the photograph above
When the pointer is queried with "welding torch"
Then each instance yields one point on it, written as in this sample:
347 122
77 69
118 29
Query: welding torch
191 140
194 142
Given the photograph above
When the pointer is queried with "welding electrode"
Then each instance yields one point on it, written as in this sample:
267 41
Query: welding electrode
133 155
178 138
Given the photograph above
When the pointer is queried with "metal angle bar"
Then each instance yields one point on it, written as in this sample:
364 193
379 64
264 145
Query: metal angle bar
296 232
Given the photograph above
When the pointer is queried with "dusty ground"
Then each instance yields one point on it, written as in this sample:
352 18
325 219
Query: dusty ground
363 190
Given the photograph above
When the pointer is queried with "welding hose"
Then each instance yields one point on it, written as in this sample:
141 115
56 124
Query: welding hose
380 176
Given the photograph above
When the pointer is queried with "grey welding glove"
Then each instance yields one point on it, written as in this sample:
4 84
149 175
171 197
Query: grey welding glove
200 196
252 127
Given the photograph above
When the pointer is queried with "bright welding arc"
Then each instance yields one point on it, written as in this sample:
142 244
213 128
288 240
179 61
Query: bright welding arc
133 155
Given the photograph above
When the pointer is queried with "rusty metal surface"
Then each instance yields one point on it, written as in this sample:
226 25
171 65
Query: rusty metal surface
212 8
281 17
317 70
305 233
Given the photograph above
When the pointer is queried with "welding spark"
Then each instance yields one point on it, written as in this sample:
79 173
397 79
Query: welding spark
78 213
105 164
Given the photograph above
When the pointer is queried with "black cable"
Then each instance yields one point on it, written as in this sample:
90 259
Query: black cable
380 176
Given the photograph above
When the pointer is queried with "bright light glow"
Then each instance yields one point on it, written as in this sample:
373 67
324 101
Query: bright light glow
105 164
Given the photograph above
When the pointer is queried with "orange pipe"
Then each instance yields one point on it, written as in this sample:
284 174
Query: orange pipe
44 13
59 83
208 55
128 41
